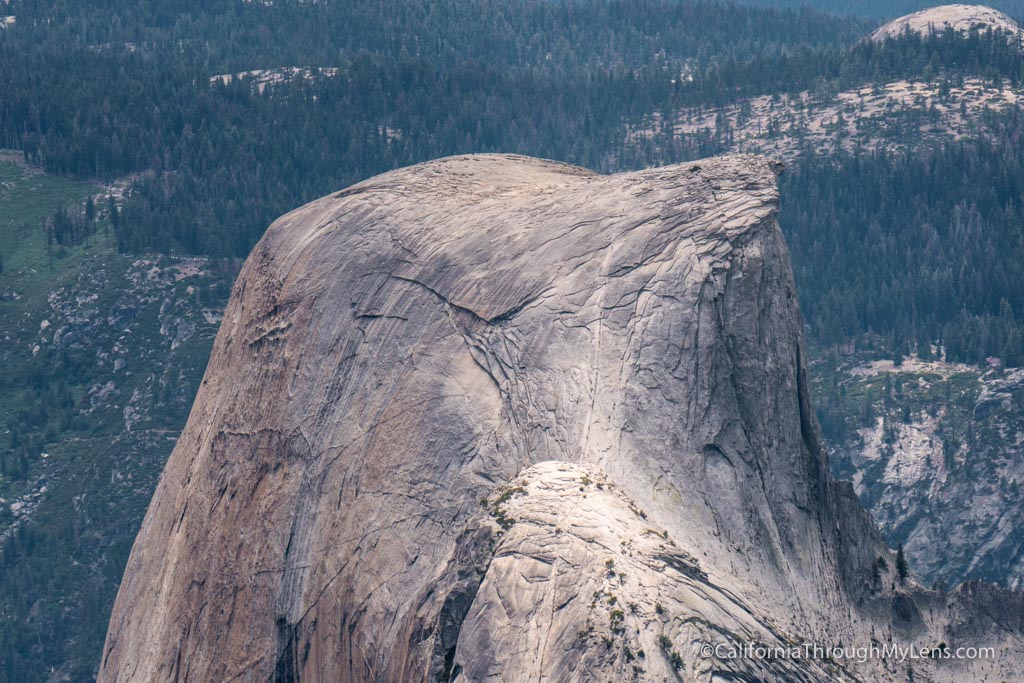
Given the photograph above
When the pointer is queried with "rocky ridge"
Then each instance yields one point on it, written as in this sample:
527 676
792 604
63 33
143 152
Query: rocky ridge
492 416
897 116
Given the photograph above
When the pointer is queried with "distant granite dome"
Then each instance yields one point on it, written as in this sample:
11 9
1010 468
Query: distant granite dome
958 17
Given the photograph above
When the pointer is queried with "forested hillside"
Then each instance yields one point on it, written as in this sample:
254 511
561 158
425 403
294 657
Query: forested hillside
915 249
393 83
409 81
881 9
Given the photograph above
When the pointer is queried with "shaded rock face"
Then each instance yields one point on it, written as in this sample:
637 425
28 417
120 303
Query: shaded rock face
493 417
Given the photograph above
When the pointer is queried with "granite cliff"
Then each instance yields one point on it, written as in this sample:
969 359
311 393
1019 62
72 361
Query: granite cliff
497 418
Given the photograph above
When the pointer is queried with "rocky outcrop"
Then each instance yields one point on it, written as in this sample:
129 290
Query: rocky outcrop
492 417
960 18
786 126
939 463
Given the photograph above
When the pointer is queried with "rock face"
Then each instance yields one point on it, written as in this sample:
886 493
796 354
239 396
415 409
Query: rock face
958 17
942 473
498 418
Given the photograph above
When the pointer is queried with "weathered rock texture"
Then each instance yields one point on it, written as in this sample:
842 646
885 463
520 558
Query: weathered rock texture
496 418
958 17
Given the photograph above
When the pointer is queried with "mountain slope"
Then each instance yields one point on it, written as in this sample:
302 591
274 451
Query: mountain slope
415 372
100 358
